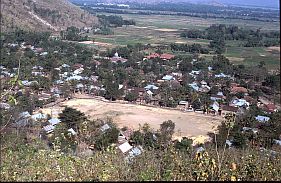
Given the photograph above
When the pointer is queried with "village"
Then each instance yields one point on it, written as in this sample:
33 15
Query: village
195 86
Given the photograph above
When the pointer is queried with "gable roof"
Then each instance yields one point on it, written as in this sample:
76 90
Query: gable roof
270 107
116 59
54 121
167 77
72 131
262 119
39 116
194 86
238 89
76 77
165 56
148 87
221 75
240 102
49 128
154 55
215 106
135 152
229 108
125 147
24 114
105 127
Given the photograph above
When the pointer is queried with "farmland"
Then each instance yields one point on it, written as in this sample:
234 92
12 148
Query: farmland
157 29
252 56
163 30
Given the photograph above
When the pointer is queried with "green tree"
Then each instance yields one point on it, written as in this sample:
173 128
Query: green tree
239 140
72 118
137 138
107 138
131 96
184 145
185 65
167 129
66 90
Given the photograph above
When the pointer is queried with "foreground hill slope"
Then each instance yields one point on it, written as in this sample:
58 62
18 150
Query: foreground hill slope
43 15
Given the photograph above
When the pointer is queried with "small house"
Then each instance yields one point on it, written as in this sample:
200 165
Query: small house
54 121
48 129
151 86
105 127
125 147
39 116
72 131
194 86
168 78
262 119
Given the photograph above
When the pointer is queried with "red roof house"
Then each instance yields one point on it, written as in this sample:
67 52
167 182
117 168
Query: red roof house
78 66
270 107
238 89
154 55
165 56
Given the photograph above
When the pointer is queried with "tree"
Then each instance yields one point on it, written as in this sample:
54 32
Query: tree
66 90
214 90
273 81
72 118
112 90
107 138
137 138
166 131
196 104
239 140
184 145
186 65
131 96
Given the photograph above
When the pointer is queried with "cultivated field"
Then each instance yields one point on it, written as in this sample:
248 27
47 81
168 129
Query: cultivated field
163 29
187 123
253 56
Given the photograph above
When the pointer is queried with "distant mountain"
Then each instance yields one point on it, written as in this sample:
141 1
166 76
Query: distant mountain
43 15
249 3
253 3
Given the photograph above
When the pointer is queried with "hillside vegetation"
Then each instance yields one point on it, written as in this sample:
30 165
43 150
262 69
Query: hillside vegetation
43 15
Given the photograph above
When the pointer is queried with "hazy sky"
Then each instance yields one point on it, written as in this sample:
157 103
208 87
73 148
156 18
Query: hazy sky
270 3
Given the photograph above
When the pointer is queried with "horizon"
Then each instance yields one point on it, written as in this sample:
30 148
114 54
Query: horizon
273 4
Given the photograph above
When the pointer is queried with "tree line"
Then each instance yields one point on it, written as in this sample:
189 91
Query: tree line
219 33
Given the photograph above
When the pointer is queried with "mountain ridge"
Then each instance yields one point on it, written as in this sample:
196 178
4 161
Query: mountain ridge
249 3
43 15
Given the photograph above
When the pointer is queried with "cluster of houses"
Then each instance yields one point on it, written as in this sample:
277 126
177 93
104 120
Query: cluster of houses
129 152
89 84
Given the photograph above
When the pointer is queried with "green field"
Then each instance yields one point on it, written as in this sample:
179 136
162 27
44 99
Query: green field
182 22
253 56
165 29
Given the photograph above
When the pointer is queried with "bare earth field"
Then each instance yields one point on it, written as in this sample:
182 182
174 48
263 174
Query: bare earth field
95 43
187 123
